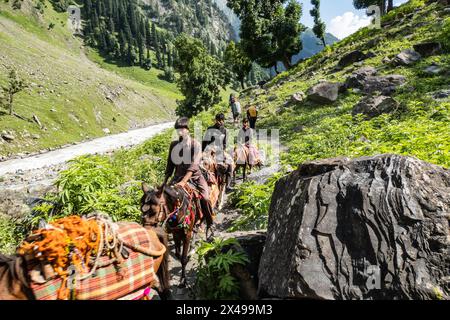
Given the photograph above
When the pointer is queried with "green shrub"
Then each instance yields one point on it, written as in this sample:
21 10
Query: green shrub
214 280
9 237
254 201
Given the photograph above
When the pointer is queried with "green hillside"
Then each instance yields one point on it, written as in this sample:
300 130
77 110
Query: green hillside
73 92
419 127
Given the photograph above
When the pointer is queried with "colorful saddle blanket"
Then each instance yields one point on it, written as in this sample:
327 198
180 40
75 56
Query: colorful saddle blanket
113 281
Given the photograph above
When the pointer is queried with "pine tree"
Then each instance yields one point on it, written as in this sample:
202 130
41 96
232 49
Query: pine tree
319 25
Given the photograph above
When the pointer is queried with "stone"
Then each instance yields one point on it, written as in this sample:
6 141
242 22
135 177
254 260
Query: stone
427 49
440 95
368 228
374 106
351 58
366 80
324 92
35 136
106 131
36 119
272 98
407 57
433 69
8 137
252 244
298 97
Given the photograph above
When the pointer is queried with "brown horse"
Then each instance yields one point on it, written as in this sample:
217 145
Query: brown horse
242 161
178 209
210 170
15 281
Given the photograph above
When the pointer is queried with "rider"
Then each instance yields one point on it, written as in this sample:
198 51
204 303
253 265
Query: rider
216 135
184 158
245 137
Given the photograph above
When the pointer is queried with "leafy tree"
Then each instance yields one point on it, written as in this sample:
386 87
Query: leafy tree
286 32
270 29
201 76
319 25
15 85
237 60
385 5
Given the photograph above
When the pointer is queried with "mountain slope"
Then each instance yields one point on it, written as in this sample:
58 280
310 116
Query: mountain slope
420 127
73 97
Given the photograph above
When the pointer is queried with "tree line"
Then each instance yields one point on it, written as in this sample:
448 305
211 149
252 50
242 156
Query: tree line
122 33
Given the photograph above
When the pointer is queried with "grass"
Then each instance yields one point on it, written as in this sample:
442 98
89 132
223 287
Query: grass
420 127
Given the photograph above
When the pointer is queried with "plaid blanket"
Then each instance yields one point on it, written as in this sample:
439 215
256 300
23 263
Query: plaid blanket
114 281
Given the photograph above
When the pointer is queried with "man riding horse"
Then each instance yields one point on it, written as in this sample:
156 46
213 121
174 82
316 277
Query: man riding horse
216 136
184 159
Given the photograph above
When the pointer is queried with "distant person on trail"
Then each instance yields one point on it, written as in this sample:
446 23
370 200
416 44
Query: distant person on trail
235 108
252 115
184 158
216 136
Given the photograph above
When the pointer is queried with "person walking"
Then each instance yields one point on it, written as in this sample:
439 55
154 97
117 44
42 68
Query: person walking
235 109
252 115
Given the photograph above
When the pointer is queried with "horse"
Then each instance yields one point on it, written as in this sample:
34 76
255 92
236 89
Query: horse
15 279
173 206
243 159
210 169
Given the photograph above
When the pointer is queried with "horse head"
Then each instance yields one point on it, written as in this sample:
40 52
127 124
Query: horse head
153 205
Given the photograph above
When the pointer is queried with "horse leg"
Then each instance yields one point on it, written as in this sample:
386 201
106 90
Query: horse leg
184 259
244 176
177 240
163 270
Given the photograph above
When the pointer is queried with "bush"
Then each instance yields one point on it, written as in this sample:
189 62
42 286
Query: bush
254 201
214 280
9 237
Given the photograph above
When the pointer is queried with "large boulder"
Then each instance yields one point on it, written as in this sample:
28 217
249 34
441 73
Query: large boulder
351 58
366 80
252 244
407 57
369 228
374 106
427 49
324 92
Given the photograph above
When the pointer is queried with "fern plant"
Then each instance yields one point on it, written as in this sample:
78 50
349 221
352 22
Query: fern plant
214 278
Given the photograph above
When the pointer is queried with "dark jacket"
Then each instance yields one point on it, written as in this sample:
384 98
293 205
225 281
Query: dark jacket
212 134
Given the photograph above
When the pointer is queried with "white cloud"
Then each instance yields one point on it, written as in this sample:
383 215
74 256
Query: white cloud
348 23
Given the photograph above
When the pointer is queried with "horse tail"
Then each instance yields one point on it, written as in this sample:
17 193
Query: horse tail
163 271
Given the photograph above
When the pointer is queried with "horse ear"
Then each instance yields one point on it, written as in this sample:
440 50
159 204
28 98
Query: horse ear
159 191
145 187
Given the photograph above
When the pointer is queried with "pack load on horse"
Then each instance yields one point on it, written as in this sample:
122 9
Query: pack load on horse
215 139
186 202
91 258
246 155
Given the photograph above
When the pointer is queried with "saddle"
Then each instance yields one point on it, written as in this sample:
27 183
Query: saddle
121 268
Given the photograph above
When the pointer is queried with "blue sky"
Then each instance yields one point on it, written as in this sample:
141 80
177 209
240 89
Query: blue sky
341 18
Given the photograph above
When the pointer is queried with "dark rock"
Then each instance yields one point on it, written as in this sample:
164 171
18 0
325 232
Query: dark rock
433 69
252 244
8 137
427 49
369 228
375 106
324 92
407 57
366 80
351 58
440 95
298 97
